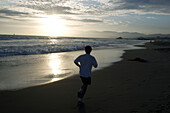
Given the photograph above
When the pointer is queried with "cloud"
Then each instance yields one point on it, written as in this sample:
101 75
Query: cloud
87 20
70 7
145 6
5 17
50 6
91 20
57 10
53 9
12 12
13 15
16 15
91 7
150 17
94 7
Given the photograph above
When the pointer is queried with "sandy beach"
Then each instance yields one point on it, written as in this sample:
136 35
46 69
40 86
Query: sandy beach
140 83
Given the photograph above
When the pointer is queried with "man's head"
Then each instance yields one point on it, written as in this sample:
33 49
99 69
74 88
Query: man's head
88 49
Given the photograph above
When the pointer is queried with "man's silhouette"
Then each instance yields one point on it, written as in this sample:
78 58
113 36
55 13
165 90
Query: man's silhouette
85 62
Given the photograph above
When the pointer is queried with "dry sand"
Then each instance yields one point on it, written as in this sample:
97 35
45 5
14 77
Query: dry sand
125 87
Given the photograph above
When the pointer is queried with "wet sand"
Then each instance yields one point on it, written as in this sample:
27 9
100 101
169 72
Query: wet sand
128 86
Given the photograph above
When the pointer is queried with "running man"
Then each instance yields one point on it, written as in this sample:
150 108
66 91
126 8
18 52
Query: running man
85 63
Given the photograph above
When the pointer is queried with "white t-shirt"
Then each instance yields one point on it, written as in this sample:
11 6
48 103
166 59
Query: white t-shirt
86 63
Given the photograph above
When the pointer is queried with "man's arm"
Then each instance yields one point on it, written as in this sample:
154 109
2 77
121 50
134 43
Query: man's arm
77 64
76 61
95 63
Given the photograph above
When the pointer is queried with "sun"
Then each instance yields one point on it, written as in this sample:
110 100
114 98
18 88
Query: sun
53 25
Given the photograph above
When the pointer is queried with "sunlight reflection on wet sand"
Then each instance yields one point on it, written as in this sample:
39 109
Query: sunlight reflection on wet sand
56 66
60 66
55 63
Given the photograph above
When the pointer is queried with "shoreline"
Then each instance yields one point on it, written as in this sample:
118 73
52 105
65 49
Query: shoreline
124 87
19 72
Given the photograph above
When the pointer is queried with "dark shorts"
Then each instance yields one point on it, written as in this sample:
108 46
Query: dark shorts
86 80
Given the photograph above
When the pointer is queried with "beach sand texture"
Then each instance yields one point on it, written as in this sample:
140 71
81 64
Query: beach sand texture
128 86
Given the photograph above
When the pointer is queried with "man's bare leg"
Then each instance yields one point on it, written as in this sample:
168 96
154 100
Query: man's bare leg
82 92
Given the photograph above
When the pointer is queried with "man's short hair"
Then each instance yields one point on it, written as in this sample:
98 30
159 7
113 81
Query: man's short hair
88 49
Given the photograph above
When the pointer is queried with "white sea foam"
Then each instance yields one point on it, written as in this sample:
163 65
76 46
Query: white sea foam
24 45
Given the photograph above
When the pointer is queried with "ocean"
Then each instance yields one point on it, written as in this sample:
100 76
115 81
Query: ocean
27 61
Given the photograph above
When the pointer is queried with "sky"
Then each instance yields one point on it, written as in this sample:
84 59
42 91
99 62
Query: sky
85 18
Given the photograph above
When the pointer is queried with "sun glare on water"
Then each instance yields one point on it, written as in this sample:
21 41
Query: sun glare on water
53 25
55 64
